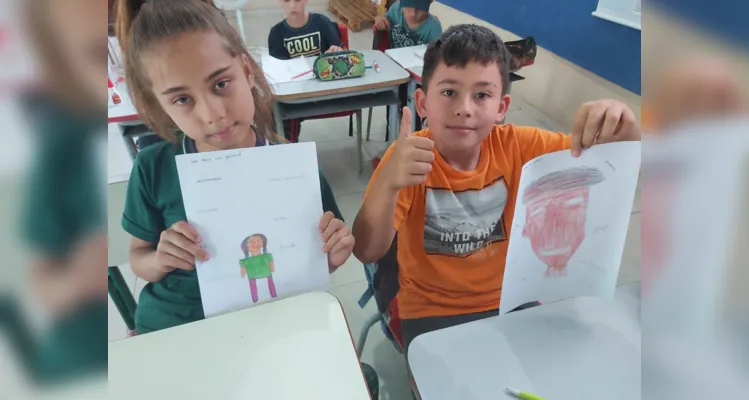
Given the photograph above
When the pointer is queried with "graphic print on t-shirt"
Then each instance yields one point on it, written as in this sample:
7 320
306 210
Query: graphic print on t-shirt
461 223
401 36
304 45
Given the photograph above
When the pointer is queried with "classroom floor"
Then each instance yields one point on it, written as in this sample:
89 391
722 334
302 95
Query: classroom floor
338 160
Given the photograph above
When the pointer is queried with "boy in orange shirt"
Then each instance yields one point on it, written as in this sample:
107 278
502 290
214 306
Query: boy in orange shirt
449 191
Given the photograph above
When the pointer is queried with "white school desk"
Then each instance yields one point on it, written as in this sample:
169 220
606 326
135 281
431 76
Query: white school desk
307 98
123 113
294 348
583 349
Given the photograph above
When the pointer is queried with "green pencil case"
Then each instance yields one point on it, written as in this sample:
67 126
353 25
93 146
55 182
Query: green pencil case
258 266
339 65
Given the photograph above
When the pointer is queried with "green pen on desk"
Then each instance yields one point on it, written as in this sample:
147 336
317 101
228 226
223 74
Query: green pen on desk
524 395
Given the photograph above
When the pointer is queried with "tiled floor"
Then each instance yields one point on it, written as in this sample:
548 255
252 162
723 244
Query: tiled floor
337 157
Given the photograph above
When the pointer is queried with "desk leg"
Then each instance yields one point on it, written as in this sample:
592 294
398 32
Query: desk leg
129 142
277 118
395 121
359 125
412 100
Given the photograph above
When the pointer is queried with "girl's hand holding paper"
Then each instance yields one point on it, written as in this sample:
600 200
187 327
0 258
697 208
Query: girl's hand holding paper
178 247
339 242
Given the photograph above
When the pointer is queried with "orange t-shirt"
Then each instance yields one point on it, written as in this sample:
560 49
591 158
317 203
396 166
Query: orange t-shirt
453 229
648 118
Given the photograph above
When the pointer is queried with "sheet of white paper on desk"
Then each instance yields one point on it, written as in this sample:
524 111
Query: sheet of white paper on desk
257 211
282 71
408 57
570 224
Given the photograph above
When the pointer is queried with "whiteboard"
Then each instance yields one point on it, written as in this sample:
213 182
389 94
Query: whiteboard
624 12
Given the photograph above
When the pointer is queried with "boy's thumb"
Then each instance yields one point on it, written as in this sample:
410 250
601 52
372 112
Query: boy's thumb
406 129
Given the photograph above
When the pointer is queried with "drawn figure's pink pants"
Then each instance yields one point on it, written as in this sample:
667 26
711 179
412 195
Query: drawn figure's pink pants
271 287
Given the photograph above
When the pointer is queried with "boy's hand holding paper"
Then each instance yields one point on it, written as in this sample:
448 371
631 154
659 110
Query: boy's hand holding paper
692 87
603 121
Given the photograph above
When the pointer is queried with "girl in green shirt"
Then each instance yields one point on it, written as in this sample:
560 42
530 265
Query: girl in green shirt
63 218
189 72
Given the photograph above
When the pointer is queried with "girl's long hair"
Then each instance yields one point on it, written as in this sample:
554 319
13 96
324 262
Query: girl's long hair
141 23
246 241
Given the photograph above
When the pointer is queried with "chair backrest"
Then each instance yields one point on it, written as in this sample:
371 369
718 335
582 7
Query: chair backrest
380 40
385 286
343 30
122 297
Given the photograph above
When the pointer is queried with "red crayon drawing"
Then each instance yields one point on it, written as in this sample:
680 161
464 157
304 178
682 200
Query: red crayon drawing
660 183
555 213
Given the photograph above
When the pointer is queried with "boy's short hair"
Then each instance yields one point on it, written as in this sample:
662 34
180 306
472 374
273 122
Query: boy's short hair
463 44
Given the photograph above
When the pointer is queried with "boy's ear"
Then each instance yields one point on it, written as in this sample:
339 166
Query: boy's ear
421 102
504 106
247 68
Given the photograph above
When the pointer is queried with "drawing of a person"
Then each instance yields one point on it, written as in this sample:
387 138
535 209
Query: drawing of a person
257 264
555 214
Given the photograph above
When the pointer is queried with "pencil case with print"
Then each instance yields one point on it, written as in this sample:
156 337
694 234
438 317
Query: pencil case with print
339 65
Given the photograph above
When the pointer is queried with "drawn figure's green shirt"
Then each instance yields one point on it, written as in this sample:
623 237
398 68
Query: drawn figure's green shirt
258 266
153 204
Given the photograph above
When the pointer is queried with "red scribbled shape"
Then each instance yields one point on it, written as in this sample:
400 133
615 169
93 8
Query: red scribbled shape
657 204
555 226
4 36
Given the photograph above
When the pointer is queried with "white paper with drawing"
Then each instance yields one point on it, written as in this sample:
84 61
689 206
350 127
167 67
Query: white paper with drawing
257 211
570 224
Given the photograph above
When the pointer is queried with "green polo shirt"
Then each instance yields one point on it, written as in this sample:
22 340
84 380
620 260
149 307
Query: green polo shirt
64 201
63 205
153 204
